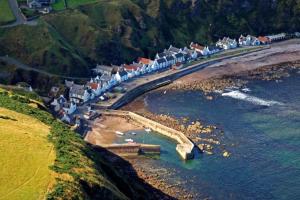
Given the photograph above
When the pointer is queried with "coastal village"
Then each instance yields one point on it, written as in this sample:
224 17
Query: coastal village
74 104
108 78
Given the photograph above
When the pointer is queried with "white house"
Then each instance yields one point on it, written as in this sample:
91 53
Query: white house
124 75
106 82
95 86
192 53
248 41
276 37
173 50
70 108
159 63
200 49
133 70
213 49
227 43
179 57
147 65
170 60
58 102
79 94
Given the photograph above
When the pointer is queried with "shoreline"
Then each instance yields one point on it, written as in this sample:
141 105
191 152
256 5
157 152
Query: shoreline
219 76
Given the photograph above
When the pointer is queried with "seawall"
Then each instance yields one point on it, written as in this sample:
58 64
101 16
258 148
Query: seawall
184 147
159 82
132 149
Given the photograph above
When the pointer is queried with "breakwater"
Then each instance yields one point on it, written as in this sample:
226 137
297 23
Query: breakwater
132 149
184 147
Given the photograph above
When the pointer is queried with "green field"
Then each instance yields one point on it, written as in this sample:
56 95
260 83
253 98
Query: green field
26 155
60 5
6 14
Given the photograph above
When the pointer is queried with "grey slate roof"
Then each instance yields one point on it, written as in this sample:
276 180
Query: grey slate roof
179 55
77 89
161 60
105 77
213 48
174 49
169 58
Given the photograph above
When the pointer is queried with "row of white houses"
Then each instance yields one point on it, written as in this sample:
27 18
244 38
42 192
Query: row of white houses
112 76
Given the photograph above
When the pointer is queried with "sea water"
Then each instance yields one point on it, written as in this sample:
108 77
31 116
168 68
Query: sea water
261 131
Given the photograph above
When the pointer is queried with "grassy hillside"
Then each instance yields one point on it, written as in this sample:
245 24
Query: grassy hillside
6 15
42 47
80 171
26 155
118 31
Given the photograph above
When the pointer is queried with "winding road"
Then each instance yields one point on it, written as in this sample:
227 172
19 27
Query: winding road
20 65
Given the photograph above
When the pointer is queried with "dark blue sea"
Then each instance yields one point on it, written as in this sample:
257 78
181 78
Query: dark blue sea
261 131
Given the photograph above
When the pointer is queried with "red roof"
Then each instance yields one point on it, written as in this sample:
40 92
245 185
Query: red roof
93 86
131 67
197 46
144 61
263 39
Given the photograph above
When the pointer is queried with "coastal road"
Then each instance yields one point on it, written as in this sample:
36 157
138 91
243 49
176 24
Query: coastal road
20 65
170 75
20 18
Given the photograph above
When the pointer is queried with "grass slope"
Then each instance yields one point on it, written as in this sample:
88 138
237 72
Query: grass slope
26 155
80 171
6 15
44 48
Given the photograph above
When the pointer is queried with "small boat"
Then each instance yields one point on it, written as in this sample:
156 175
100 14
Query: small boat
129 140
133 133
119 133
148 130
165 92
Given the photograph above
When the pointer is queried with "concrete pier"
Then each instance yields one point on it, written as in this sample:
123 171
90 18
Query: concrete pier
184 147
132 149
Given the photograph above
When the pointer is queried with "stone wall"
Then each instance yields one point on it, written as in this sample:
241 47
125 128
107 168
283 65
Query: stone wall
184 147
132 149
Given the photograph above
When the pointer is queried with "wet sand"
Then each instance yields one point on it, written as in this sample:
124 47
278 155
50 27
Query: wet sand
104 129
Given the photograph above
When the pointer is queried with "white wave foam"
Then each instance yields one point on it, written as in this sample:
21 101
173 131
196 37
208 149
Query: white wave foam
251 99
246 90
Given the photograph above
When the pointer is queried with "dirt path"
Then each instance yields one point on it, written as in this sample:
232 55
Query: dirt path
20 65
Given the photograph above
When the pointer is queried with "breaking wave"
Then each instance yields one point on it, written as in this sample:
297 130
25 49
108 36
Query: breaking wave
251 99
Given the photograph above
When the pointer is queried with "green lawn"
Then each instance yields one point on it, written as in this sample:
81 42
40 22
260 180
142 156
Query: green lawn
6 14
76 3
60 5
26 155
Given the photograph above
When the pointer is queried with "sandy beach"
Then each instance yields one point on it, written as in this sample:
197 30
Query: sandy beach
104 129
